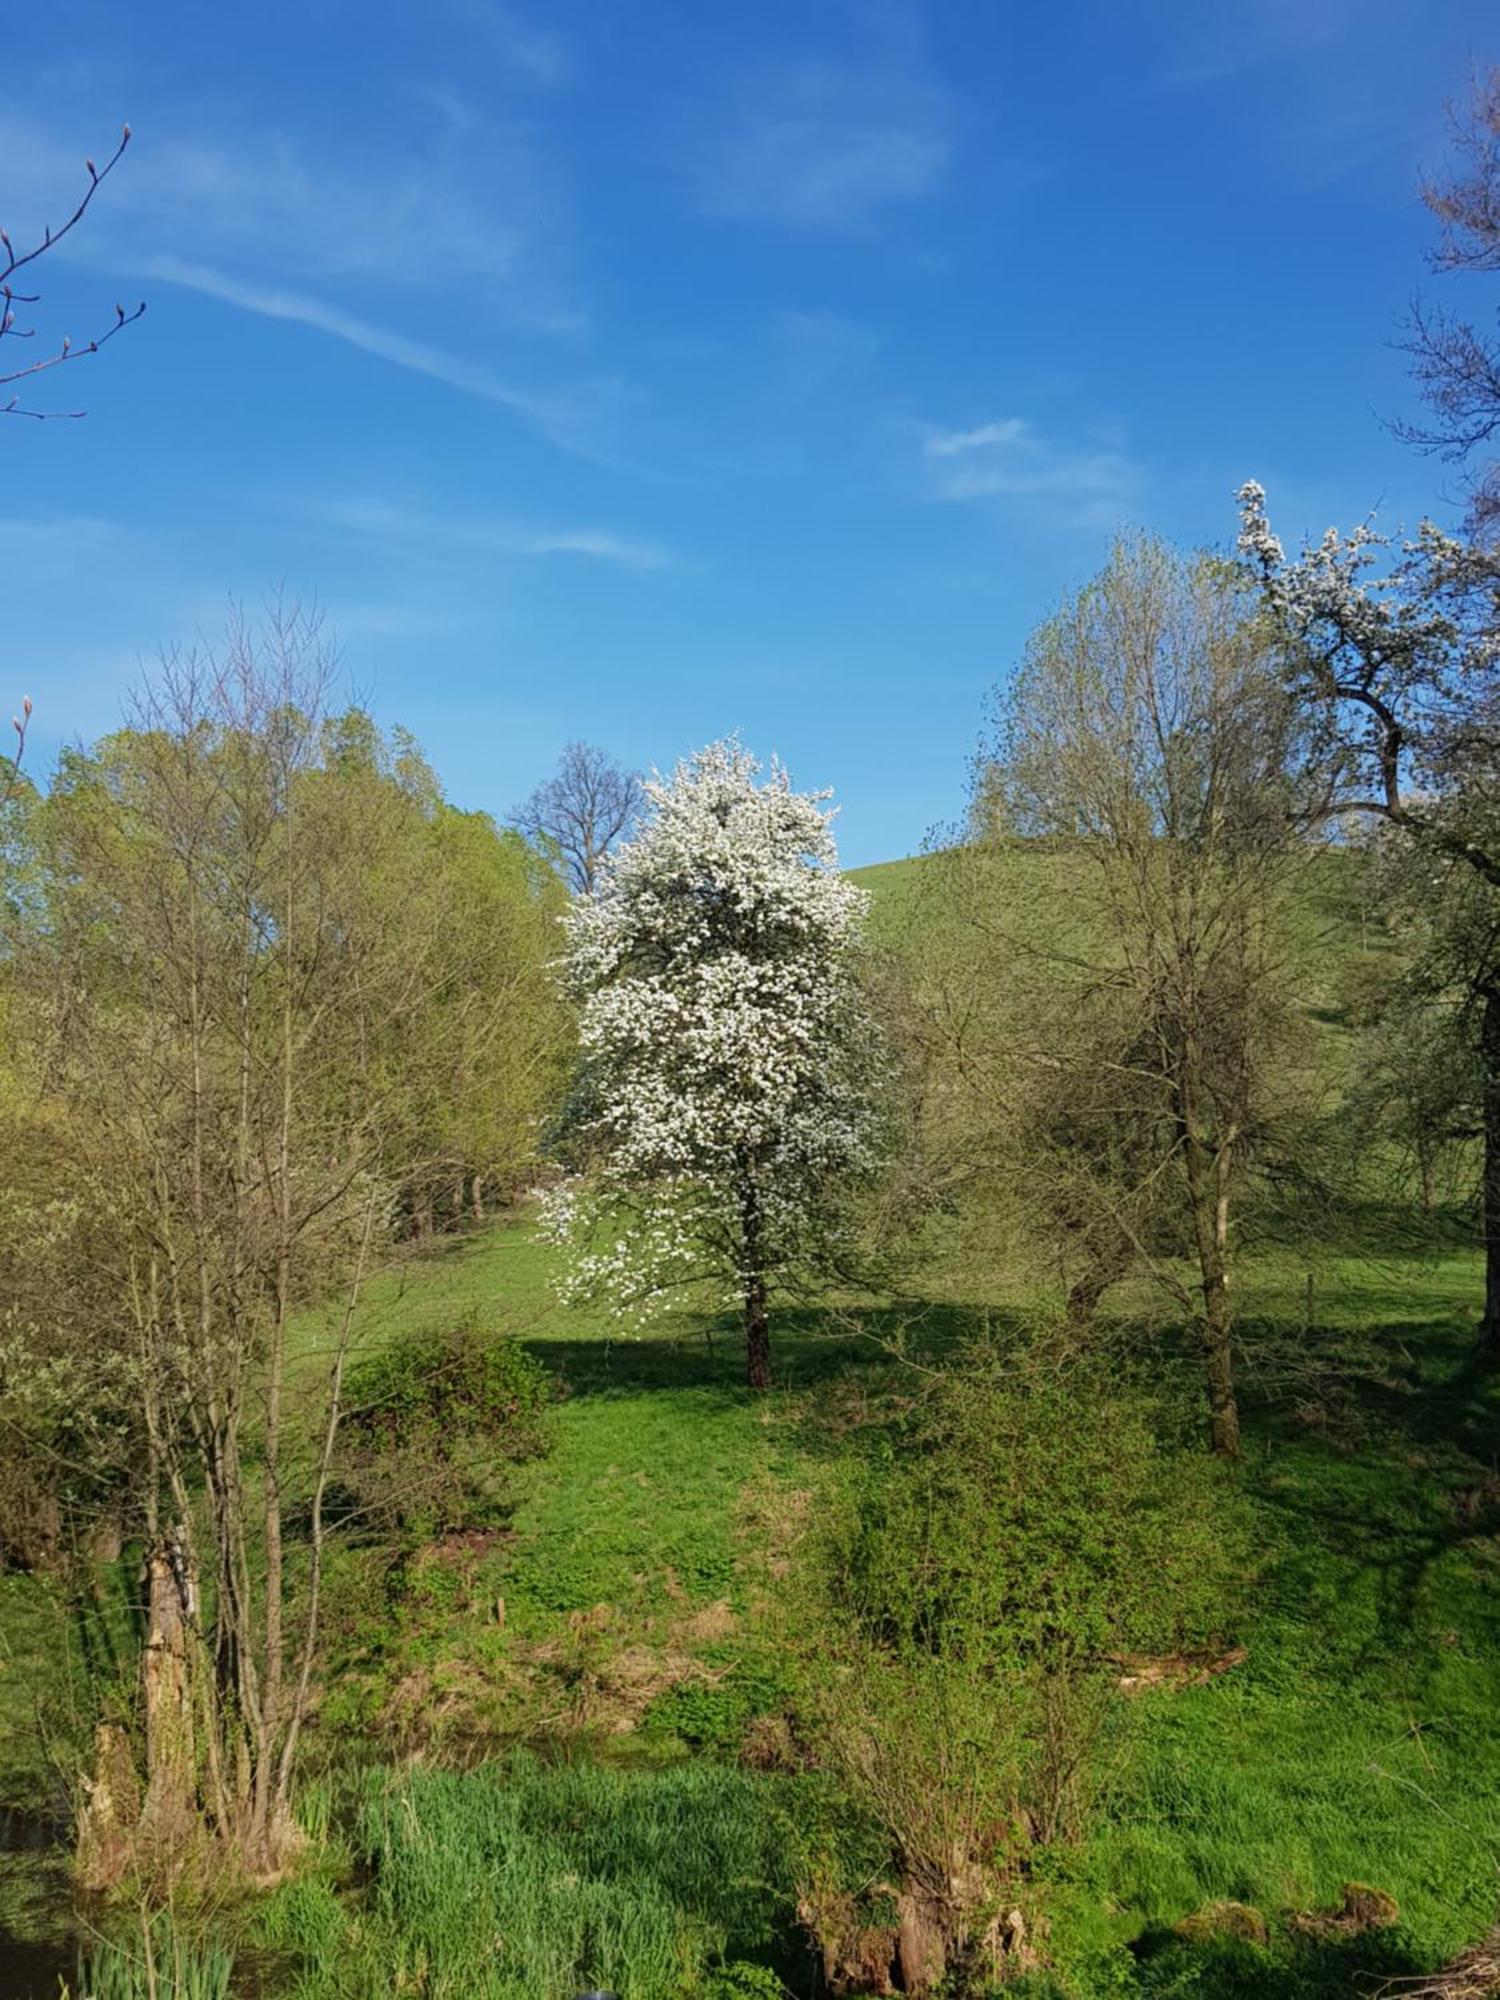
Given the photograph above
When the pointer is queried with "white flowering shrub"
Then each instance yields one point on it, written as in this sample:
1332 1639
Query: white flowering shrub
722 1110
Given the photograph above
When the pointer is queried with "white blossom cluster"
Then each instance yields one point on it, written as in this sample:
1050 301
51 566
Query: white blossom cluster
1389 628
724 1050
1381 601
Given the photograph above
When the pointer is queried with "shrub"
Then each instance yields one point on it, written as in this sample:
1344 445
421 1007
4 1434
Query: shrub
434 1423
1016 1539
1030 1517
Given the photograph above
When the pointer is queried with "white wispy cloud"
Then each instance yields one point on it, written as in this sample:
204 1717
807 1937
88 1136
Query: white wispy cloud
984 438
825 147
600 545
539 53
1009 459
470 204
447 532
551 417
371 246
1213 45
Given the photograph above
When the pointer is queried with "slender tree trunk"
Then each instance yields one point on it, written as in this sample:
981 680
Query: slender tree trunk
757 1319
1223 1408
1084 1295
1208 1195
476 1187
1489 1042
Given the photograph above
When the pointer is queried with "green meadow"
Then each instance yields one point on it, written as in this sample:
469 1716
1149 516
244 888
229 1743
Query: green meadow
632 1632
566 1744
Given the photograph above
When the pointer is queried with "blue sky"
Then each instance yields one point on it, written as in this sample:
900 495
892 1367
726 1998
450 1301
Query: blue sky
641 373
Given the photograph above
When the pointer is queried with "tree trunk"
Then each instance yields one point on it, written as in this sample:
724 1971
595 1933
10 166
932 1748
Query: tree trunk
1208 1194
476 1188
1489 1044
1084 1295
1223 1409
757 1320
1424 1168
170 1806
36 1543
1104 1269
106 1538
109 1813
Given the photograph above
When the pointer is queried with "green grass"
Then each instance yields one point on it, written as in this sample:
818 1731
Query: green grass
1360 1740
626 1616
525 1880
155 1960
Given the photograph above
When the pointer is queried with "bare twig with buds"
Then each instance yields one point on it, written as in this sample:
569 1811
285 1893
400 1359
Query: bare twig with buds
20 724
17 260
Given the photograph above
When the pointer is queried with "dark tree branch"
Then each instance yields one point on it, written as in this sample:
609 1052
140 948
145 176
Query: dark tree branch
582 812
10 298
1456 362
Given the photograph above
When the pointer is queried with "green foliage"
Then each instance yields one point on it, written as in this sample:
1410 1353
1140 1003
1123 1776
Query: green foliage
161 1958
1357 1740
436 1421
1016 1535
744 1981
712 1715
1031 1513
527 1879
305 1917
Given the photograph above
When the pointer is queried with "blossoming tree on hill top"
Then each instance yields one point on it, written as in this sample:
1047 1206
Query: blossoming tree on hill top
721 1116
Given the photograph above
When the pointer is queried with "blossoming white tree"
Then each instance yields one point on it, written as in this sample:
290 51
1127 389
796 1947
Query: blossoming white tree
722 1114
1393 651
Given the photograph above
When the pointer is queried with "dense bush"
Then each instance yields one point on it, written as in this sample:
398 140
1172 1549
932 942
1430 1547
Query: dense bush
1015 1543
1034 1515
435 1423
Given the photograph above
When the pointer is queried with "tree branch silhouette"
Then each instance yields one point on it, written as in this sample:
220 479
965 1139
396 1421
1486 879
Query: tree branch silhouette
18 260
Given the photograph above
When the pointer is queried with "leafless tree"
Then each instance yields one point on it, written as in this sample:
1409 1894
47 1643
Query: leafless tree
1456 361
20 261
1144 761
582 811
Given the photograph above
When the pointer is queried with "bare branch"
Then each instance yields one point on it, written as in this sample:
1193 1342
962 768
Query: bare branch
20 724
1456 363
17 260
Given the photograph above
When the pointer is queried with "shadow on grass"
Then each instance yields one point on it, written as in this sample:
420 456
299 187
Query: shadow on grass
1380 1462
1291 1968
811 1347
1442 1395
